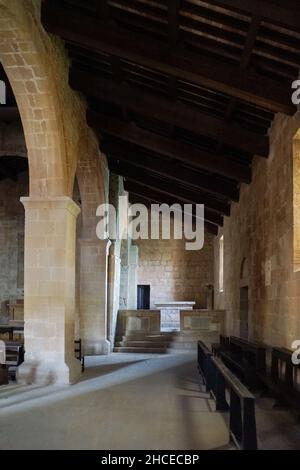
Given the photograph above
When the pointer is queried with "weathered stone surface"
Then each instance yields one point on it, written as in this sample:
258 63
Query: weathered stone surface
261 231
11 241
173 272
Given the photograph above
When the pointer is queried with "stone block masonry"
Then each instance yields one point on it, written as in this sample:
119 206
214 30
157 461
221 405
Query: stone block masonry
260 235
173 272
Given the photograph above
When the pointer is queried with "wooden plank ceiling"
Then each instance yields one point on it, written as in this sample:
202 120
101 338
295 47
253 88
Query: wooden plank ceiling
181 92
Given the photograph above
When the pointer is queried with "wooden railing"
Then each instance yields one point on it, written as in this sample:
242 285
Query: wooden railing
239 402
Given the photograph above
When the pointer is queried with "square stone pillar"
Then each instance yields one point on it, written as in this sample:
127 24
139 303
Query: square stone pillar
114 271
49 291
93 295
132 277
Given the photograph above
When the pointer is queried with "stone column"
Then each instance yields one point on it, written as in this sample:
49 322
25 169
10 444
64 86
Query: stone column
93 295
132 277
49 291
114 271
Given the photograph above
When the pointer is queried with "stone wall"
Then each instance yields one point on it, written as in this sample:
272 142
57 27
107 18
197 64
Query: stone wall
12 240
258 245
173 272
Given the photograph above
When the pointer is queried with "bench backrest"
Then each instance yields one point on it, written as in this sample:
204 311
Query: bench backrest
253 352
14 353
282 367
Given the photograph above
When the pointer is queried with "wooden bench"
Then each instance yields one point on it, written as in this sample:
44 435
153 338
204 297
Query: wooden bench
3 374
246 358
204 355
14 357
241 404
281 379
11 329
221 346
78 352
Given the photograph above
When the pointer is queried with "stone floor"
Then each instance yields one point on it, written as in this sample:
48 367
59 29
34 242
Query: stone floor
124 401
129 401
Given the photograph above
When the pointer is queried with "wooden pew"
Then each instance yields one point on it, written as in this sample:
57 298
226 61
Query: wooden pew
14 357
204 364
11 329
78 352
281 378
241 403
223 345
246 358
3 374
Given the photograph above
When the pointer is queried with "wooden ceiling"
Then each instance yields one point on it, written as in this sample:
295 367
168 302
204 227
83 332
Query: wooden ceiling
181 92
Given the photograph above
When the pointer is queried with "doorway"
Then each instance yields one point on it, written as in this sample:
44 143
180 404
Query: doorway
244 312
143 297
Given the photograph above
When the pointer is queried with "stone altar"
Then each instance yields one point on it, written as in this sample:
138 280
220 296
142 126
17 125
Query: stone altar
170 314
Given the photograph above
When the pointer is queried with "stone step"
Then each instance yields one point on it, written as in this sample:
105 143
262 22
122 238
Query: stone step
182 345
192 339
154 339
137 335
161 342
139 350
143 344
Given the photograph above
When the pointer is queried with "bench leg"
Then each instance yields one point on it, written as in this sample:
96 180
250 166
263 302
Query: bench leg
221 404
235 419
249 425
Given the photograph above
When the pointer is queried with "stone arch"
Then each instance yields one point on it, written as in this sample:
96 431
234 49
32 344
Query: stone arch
92 253
53 120
91 180
37 68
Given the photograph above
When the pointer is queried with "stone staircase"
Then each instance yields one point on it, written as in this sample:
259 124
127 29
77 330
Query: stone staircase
162 343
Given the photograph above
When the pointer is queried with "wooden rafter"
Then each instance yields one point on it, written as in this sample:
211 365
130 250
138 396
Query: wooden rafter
174 149
199 69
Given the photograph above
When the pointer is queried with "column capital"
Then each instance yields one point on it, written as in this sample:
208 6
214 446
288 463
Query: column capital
59 202
105 244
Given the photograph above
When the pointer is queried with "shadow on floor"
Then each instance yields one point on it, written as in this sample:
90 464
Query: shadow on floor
97 371
122 402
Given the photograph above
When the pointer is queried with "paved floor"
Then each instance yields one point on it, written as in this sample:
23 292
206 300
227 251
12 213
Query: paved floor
124 401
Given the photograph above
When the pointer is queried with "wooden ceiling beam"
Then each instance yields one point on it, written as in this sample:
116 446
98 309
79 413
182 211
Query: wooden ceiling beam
160 194
137 199
245 59
173 20
150 180
186 153
169 111
287 14
171 169
197 68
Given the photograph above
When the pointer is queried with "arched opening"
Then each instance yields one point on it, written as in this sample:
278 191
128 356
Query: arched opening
36 68
14 184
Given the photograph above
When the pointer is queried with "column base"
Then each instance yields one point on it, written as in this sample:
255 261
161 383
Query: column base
48 373
96 347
